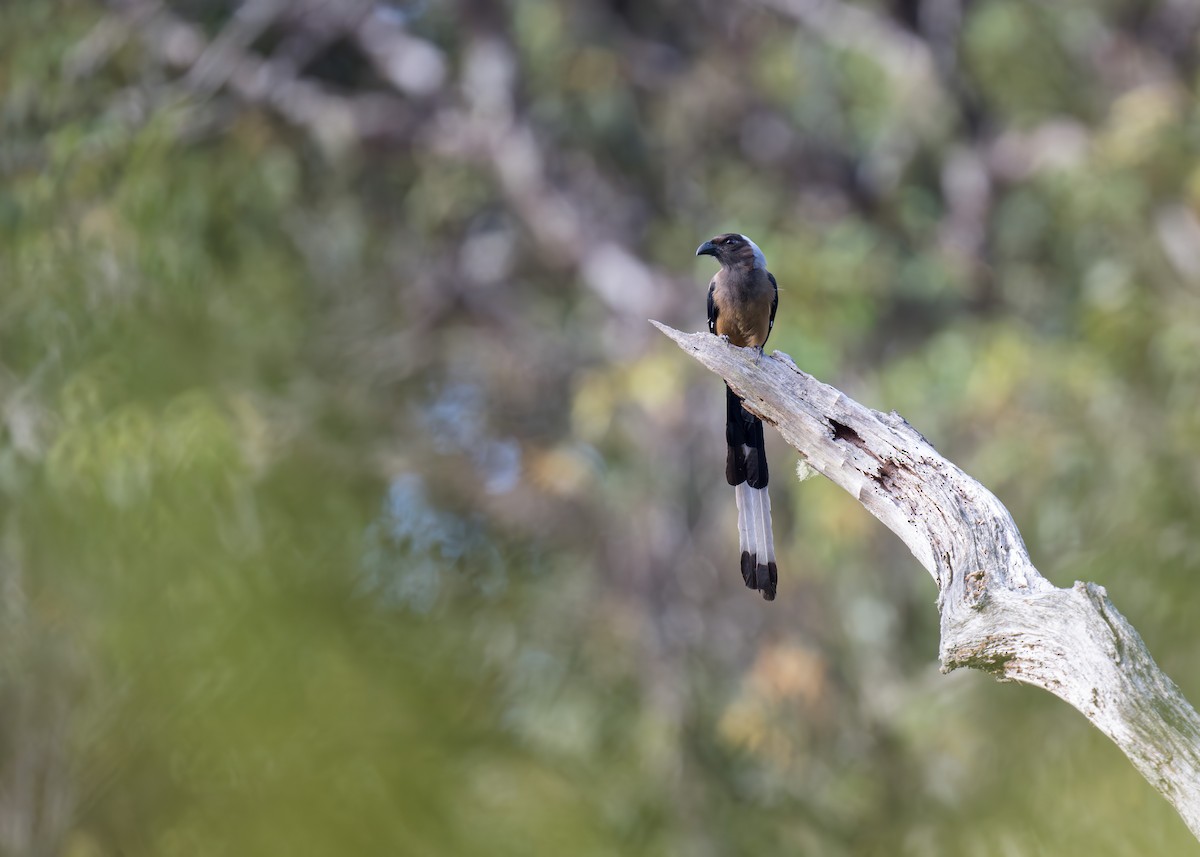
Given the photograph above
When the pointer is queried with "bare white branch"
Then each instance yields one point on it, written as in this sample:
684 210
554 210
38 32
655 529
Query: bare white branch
998 614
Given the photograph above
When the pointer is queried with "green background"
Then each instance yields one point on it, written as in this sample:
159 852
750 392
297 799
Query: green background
349 504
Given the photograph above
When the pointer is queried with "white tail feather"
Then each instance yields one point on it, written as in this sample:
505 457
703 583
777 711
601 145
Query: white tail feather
756 540
754 522
761 522
746 516
769 544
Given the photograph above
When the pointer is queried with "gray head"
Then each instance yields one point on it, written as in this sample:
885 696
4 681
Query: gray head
733 250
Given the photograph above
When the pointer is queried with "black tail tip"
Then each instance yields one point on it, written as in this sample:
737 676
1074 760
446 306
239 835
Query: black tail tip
748 575
764 578
767 580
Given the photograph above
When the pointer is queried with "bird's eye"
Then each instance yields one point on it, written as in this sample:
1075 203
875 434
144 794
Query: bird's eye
729 241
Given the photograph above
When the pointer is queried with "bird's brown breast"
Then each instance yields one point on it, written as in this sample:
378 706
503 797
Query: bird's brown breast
743 309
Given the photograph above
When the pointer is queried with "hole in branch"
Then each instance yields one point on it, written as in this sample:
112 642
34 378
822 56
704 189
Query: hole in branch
841 431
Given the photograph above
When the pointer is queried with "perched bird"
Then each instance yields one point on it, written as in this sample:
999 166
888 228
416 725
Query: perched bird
742 298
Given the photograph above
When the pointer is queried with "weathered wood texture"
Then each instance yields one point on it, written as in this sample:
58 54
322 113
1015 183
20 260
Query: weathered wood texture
998 614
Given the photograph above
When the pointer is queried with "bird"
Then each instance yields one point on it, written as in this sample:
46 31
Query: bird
742 299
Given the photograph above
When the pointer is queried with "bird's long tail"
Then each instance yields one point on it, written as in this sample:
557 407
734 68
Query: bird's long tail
746 470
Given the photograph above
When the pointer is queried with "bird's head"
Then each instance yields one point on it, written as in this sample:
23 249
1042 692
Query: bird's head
733 250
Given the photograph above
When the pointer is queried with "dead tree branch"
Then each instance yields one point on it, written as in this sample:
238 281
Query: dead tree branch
998 614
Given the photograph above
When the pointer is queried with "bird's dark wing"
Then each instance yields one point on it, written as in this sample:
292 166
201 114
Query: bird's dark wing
712 308
774 305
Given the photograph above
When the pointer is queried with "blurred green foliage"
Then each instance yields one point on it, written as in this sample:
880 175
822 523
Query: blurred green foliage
346 506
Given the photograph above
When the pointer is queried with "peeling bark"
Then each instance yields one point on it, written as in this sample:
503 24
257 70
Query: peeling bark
998 614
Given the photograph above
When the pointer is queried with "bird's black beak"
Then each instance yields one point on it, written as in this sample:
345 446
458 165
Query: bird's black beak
707 249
